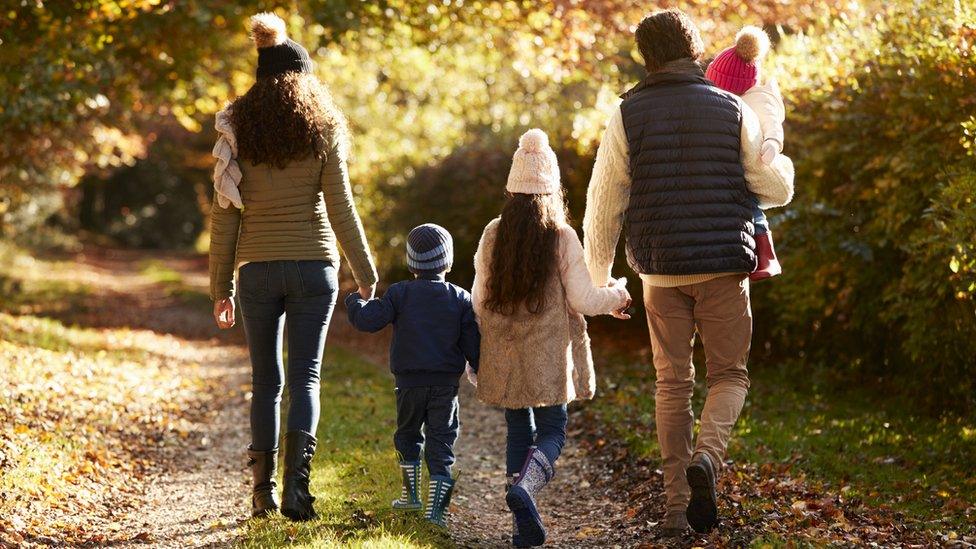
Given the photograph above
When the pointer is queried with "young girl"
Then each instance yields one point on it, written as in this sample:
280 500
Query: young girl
531 290
738 70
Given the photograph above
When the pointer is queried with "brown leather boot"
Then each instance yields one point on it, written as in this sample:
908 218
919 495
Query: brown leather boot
768 262
263 468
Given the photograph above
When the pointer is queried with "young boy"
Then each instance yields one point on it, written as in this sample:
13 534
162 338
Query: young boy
434 335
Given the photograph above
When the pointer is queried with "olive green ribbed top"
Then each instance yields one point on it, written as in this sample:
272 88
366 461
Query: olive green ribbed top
303 211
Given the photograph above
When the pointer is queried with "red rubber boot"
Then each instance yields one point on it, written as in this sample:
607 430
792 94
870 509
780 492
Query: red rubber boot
768 263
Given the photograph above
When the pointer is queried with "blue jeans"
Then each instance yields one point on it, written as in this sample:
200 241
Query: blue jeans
543 427
434 410
759 218
299 295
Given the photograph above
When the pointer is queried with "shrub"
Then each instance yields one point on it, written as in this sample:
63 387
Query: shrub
878 245
155 203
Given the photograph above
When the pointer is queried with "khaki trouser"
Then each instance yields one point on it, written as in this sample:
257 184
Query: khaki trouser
719 311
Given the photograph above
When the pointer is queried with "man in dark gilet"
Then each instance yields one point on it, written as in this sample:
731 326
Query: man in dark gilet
676 170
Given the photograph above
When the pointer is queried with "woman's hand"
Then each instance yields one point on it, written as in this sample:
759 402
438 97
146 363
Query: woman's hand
224 313
367 292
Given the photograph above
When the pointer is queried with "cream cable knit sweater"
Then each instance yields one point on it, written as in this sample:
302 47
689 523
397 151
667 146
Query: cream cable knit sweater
609 194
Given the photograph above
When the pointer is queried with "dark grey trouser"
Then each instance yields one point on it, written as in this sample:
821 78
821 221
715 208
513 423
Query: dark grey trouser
430 411
299 295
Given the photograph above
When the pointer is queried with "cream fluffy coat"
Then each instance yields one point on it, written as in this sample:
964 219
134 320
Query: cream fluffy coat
542 359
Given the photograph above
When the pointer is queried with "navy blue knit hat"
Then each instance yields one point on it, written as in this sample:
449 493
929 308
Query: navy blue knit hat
430 250
277 54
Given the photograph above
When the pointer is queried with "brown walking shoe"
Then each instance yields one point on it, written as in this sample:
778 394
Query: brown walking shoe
703 507
675 523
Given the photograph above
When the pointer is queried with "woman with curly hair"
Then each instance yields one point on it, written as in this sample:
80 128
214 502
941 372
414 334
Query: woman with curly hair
531 290
282 208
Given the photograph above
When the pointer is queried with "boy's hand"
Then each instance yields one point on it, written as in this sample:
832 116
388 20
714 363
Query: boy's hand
367 292
769 151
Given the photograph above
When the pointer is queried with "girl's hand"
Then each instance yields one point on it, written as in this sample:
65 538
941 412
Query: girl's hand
472 375
223 312
367 292
769 151
622 313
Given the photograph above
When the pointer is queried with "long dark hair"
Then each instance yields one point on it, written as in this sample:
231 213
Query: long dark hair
524 254
287 117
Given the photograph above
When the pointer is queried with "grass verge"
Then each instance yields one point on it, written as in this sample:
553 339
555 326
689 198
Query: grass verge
354 475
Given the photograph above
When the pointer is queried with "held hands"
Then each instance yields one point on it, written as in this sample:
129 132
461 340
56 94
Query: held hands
223 312
769 151
367 292
621 285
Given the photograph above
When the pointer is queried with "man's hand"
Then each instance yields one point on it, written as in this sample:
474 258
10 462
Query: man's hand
769 151
223 312
621 284
367 292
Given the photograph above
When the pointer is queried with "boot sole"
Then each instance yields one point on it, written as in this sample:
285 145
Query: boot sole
765 275
263 513
409 507
703 507
769 272
527 519
298 514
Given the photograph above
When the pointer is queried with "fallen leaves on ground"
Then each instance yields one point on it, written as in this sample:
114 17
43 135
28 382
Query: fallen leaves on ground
87 413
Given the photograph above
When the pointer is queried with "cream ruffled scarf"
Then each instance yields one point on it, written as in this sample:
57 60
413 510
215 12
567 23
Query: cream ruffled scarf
227 173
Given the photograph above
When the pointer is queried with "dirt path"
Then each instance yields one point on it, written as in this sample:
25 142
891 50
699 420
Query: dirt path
199 497
166 446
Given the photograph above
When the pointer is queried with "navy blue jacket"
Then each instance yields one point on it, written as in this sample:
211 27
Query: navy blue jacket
434 329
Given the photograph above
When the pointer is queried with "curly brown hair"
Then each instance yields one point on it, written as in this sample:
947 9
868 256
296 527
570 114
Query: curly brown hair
667 35
287 117
524 254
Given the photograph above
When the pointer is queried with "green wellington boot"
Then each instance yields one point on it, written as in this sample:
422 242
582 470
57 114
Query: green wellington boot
441 489
410 491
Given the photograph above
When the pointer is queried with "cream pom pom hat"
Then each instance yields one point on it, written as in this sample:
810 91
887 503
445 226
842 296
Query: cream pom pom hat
535 169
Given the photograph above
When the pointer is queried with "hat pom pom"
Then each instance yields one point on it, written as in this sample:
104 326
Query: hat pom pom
267 29
534 140
751 43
